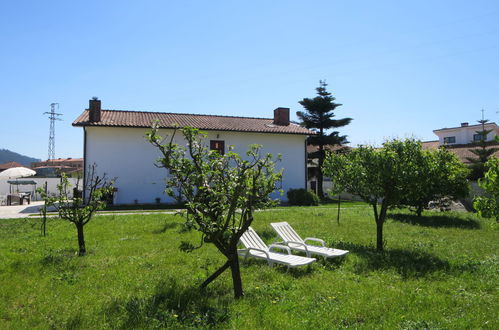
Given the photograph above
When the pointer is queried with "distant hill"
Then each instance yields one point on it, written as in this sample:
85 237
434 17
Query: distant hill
10 156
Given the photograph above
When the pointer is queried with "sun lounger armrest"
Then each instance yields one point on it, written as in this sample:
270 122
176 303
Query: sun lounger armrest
260 250
299 243
315 240
279 246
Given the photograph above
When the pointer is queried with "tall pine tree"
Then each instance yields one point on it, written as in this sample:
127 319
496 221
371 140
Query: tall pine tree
318 116
483 152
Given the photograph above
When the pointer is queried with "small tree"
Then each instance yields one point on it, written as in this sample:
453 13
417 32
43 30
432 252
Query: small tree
319 117
378 176
488 206
438 175
48 201
79 210
220 192
483 152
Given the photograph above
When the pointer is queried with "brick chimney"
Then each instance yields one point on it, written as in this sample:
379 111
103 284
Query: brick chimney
94 110
281 116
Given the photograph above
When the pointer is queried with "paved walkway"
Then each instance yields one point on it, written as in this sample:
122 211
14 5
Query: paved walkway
19 211
23 211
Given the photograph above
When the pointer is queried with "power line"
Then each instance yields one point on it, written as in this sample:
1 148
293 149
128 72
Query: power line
52 117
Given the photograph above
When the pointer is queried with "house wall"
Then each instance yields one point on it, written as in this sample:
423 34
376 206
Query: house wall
124 154
464 135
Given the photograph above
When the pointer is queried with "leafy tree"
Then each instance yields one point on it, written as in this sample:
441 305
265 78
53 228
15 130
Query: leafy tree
438 175
318 116
378 176
220 192
77 209
488 206
483 152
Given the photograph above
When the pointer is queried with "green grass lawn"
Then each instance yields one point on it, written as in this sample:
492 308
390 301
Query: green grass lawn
440 271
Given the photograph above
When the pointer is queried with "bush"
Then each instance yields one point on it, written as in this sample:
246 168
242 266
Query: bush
302 197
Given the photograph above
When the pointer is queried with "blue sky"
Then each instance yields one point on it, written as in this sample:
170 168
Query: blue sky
400 69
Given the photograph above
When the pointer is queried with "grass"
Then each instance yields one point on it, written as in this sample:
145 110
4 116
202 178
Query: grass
436 272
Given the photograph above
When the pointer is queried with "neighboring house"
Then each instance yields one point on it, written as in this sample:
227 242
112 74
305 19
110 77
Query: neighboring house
53 167
8 165
465 134
460 140
115 141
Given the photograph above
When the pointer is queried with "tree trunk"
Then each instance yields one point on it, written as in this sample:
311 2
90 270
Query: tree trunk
236 277
379 235
81 240
320 179
215 274
233 263
419 210
380 220
339 203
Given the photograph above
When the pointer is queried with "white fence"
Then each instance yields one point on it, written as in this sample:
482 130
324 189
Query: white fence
52 183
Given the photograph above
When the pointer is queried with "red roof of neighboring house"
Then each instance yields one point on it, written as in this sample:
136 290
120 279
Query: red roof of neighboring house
8 165
120 118
429 145
61 160
462 151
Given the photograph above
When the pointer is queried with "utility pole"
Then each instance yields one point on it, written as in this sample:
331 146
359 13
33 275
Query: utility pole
52 117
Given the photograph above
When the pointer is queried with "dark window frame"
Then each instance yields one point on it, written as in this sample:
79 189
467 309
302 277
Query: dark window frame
479 137
218 145
449 139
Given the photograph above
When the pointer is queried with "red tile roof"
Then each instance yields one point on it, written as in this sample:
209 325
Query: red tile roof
429 145
462 151
8 165
120 118
63 160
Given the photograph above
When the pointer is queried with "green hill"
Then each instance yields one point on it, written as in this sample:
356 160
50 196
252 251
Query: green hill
10 156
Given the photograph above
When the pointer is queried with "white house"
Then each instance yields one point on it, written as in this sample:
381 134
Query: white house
465 134
115 141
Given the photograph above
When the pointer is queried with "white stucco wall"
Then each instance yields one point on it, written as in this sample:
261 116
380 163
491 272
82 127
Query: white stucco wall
464 135
124 154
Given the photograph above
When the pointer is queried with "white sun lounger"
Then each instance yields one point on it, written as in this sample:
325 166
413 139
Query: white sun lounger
294 241
256 248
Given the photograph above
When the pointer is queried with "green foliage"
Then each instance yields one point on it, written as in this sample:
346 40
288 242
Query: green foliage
435 175
441 273
302 197
488 205
77 209
318 116
376 175
220 192
483 152
400 173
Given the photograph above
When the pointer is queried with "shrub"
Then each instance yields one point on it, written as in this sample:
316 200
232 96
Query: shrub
302 197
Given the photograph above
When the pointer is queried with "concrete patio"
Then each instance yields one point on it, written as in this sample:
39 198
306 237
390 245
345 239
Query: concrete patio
20 211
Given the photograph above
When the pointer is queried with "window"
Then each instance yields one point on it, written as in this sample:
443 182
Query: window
218 145
478 137
449 139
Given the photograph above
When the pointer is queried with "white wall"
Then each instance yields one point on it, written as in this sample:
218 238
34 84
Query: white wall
124 154
464 135
40 182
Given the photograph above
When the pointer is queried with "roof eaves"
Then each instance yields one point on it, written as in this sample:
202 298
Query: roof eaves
86 124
